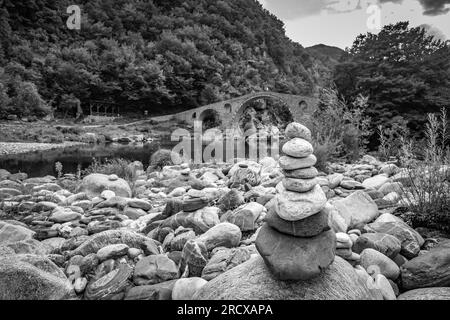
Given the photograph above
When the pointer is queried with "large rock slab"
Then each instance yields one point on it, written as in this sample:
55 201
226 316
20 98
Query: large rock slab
442 293
357 209
292 258
252 280
293 206
200 221
94 184
431 269
29 277
411 240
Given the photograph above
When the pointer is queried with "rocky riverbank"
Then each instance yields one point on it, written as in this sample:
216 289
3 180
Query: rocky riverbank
9 148
206 233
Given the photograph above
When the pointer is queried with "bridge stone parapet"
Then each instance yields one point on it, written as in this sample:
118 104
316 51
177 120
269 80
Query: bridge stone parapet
230 111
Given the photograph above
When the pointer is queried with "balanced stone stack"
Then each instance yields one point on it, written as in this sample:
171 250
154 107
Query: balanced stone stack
296 241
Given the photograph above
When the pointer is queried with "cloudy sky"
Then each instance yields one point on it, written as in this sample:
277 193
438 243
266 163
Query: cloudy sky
338 22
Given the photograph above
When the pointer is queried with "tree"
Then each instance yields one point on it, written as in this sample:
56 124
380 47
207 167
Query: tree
402 70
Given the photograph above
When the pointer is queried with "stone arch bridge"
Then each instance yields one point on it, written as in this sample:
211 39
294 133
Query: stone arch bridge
230 111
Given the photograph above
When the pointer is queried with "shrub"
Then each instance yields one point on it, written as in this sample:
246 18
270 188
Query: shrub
338 128
427 189
28 101
119 167
164 157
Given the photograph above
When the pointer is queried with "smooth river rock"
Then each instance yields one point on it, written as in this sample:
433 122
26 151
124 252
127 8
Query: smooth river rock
298 148
290 163
294 206
308 227
293 258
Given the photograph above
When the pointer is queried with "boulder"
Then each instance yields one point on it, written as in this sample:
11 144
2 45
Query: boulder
94 243
299 185
134 213
305 173
194 204
200 221
297 130
292 258
371 259
297 148
12 233
185 289
252 280
61 215
293 206
94 184
442 293
222 235
411 240
335 220
431 269
357 209
290 163
154 269
111 286
382 283
375 182
159 291
382 242
224 259
231 200
246 216
28 246
112 251
308 227
139 204
334 180
29 277
194 257
4 174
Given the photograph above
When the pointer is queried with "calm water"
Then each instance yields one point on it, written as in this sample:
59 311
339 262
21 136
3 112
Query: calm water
41 163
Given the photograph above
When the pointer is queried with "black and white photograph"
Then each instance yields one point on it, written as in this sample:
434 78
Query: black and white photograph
234 150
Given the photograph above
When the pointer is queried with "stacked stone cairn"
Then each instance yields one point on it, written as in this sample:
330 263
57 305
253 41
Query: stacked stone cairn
296 241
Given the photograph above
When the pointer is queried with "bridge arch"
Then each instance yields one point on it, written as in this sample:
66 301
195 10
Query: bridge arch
244 104
210 118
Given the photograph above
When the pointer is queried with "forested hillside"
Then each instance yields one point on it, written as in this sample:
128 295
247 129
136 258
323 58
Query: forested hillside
161 56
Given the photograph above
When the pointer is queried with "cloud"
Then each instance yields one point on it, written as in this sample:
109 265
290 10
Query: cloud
435 7
292 9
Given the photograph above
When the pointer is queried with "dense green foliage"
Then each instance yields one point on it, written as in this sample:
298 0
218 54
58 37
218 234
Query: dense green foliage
405 73
161 56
